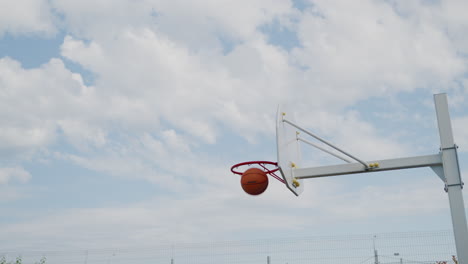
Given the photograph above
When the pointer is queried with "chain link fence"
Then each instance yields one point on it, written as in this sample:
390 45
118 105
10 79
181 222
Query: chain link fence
387 248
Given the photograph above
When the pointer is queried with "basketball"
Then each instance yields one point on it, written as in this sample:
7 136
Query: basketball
254 181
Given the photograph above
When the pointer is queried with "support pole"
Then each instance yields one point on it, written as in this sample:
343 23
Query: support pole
376 254
454 184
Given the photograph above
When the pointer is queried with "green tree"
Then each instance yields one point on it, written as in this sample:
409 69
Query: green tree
42 261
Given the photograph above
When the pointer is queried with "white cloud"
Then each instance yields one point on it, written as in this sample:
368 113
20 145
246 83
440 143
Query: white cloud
36 102
14 173
26 17
460 132
81 134
92 19
204 22
164 80
356 51
451 14
389 53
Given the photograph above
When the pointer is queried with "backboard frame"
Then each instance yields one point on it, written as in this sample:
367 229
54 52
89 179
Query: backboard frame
288 152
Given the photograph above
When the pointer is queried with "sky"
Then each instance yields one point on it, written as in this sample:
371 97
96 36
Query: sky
120 120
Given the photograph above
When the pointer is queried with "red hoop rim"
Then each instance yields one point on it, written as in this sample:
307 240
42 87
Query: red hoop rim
262 164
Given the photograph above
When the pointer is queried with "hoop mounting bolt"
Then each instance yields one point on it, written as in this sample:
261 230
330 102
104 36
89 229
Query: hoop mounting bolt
296 183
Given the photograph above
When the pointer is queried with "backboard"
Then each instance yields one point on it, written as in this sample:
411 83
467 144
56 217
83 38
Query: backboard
289 155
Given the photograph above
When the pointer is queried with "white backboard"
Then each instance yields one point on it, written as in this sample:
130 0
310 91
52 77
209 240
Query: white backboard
289 155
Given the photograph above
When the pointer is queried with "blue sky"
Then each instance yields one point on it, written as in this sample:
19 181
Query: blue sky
121 119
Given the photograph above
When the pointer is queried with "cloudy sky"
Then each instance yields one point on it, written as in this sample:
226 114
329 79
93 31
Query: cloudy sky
120 120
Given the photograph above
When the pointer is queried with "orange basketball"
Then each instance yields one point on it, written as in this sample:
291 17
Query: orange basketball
254 181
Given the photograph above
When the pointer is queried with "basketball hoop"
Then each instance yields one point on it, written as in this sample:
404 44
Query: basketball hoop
264 165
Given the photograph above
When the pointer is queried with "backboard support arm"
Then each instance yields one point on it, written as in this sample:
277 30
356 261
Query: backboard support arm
384 165
323 149
325 142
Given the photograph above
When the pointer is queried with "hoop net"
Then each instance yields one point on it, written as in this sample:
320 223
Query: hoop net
263 165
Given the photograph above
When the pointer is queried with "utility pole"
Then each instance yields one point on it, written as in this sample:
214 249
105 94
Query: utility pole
398 254
268 259
376 255
172 254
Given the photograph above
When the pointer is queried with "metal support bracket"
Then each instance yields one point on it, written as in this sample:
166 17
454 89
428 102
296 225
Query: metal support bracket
439 170
460 181
366 166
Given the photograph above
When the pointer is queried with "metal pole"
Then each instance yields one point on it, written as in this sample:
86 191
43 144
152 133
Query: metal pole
376 254
268 259
172 254
454 184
